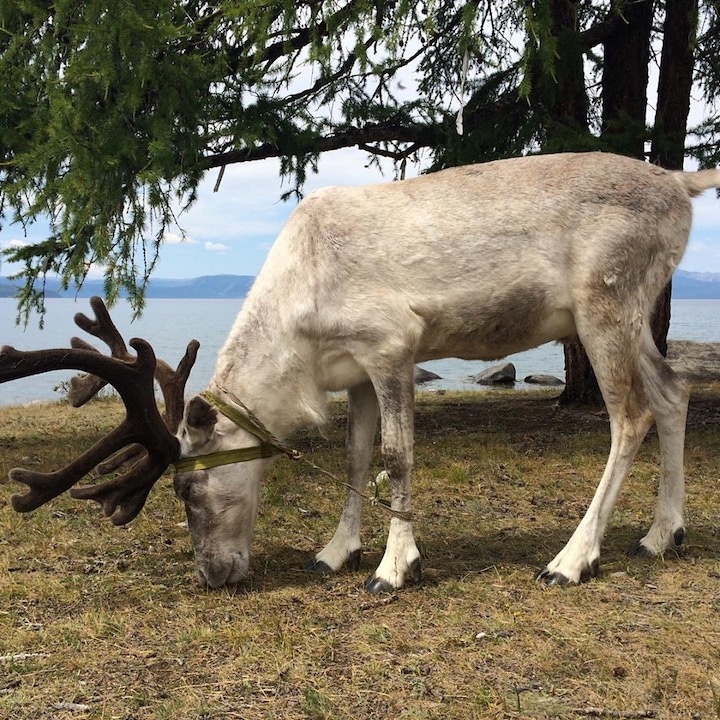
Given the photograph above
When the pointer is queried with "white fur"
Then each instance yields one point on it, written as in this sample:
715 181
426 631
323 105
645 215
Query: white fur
475 262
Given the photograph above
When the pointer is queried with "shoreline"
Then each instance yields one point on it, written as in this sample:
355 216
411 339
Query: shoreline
694 362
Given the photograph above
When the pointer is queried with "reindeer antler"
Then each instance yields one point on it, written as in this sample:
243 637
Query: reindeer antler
123 497
171 382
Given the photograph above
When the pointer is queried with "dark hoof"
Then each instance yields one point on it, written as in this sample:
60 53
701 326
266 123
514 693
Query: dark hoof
590 572
639 550
318 567
548 579
322 568
353 562
416 571
377 586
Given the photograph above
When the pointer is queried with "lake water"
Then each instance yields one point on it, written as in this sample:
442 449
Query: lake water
170 324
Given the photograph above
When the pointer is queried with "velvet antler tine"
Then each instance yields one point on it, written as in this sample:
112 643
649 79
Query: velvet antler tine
172 384
123 497
83 389
103 328
122 458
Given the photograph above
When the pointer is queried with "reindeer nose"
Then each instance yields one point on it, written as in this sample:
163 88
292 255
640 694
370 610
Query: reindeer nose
218 571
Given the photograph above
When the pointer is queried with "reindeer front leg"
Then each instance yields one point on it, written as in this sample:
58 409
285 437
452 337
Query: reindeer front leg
396 396
344 547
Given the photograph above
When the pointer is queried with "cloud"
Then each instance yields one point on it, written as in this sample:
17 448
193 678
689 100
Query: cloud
6 245
96 271
216 247
170 238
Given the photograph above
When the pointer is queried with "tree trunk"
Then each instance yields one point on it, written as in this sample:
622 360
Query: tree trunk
558 92
564 98
674 84
570 101
624 85
625 79
660 320
581 387
673 106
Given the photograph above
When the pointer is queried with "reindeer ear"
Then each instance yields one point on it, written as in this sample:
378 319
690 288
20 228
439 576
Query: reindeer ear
200 415
200 419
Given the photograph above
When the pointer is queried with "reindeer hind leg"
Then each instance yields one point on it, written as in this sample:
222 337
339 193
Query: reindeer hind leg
668 398
614 354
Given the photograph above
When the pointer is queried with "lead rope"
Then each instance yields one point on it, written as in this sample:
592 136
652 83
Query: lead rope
375 500
253 424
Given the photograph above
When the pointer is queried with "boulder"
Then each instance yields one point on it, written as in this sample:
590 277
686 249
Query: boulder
543 380
423 376
496 375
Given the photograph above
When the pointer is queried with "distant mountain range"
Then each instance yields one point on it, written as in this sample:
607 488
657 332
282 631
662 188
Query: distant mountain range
208 286
695 285
686 285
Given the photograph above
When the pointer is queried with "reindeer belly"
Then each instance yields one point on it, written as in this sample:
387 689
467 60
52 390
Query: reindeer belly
491 337
341 371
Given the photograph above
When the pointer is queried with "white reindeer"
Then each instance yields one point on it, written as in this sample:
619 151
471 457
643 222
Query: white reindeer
474 262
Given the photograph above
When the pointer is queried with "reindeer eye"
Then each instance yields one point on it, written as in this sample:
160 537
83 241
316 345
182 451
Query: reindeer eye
190 486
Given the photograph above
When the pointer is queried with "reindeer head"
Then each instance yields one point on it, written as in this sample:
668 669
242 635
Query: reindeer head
224 451
220 502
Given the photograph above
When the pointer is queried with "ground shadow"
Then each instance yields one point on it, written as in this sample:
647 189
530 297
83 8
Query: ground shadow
453 557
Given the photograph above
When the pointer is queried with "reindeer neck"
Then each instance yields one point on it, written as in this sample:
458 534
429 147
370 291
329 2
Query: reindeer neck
270 373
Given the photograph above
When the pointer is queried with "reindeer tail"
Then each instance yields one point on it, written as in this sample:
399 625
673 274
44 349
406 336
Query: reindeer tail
697 182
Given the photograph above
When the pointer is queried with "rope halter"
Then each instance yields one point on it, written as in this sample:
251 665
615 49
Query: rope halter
243 418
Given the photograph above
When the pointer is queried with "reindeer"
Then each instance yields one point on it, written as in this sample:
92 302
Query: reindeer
475 262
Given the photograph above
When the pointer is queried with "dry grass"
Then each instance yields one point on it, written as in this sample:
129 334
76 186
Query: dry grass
101 622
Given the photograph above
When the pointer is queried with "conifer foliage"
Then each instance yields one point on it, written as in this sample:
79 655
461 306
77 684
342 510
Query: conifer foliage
112 112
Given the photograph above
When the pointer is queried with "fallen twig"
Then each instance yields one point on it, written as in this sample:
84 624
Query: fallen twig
385 600
14 657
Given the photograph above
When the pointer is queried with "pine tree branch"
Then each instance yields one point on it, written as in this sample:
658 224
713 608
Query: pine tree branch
241 57
421 135
600 31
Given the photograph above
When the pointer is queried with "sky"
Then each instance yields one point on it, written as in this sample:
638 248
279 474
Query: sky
231 231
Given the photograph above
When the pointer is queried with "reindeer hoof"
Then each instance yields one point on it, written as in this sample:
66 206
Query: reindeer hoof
318 567
353 561
639 550
590 572
377 586
416 570
548 579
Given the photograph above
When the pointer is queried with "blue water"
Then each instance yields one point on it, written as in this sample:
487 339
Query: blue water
170 324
